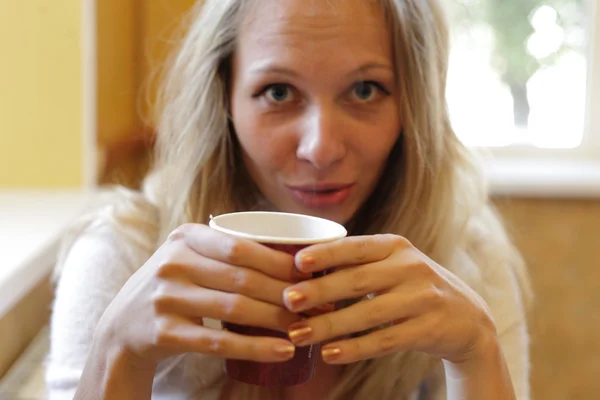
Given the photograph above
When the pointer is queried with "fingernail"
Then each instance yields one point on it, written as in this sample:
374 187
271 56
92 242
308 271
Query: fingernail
285 350
295 298
300 334
307 259
331 354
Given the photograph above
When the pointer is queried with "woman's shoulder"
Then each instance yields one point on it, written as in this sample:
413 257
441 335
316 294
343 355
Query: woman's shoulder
121 229
101 244
95 265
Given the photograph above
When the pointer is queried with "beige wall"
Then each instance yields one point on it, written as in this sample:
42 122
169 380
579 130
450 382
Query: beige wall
560 240
40 93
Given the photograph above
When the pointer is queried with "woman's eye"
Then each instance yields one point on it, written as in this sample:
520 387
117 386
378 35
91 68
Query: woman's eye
279 93
368 91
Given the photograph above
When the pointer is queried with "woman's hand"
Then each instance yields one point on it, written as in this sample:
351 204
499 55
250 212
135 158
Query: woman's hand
201 273
417 304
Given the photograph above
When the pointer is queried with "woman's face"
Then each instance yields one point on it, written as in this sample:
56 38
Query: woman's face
314 103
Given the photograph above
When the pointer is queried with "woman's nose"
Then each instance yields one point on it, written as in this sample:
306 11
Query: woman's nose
321 139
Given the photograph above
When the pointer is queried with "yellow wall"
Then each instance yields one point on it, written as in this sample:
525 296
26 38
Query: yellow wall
134 38
161 27
40 93
118 70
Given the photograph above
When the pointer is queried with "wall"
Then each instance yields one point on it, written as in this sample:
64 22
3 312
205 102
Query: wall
134 38
560 241
118 70
40 94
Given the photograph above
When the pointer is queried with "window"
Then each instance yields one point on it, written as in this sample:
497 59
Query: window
519 76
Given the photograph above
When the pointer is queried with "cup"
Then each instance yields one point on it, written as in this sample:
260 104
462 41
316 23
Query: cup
289 233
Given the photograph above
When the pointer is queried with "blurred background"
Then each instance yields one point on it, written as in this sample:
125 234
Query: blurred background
77 84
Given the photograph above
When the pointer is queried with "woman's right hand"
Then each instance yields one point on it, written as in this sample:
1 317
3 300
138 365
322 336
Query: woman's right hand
202 273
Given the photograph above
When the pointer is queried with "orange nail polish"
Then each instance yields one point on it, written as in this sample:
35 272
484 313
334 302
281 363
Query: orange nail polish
300 334
307 259
295 298
285 350
330 354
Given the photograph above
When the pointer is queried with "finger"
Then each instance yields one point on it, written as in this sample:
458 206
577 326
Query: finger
231 250
360 317
413 334
217 275
343 284
354 250
189 337
194 302
319 310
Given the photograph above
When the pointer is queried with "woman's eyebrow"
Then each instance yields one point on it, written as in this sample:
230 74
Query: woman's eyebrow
272 68
371 66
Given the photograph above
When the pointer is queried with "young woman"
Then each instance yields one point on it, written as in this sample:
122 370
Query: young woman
330 108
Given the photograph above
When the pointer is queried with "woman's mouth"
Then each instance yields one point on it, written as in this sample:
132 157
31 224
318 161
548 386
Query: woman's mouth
321 195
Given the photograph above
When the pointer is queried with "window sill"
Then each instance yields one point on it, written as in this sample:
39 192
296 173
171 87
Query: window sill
30 232
543 178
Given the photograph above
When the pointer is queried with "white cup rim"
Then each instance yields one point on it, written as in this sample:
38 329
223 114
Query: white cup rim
336 231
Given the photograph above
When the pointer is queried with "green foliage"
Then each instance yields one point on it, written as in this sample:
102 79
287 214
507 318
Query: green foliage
510 22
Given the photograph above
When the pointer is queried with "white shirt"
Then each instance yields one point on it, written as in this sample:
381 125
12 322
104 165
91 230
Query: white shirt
97 267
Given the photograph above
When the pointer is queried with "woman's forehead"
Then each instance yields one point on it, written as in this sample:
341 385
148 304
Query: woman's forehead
315 25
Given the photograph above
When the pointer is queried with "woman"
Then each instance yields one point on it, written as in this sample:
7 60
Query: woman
334 109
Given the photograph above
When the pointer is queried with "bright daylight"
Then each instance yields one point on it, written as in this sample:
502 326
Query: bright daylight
518 72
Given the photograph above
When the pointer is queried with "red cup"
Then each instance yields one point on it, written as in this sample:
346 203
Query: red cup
289 233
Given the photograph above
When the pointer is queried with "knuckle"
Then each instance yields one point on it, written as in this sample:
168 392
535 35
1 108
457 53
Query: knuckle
417 266
168 268
328 326
387 342
233 249
360 282
361 248
215 345
165 332
255 350
169 261
179 233
398 240
377 315
233 309
163 298
432 296
240 280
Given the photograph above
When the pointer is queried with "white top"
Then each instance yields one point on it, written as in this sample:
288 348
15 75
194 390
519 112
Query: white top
96 269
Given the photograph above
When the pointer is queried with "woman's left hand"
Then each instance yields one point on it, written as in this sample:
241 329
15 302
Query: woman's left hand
421 305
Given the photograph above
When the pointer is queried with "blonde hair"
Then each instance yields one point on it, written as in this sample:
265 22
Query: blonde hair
431 192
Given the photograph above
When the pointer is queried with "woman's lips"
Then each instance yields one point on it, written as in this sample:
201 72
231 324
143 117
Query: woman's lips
321 196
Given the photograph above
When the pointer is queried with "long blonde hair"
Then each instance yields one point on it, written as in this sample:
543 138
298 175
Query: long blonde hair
432 191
